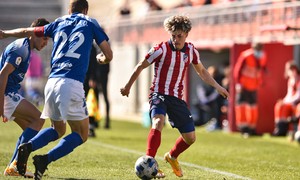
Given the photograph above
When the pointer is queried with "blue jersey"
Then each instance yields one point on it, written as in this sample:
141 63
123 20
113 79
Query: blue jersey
72 36
16 53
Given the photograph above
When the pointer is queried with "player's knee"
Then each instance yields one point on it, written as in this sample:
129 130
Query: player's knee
192 140
60 132
37 124
158 123
40 123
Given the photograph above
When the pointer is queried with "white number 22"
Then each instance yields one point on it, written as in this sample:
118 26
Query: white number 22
71 52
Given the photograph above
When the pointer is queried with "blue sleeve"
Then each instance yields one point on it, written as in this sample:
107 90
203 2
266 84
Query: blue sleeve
49 29
18 55
99 34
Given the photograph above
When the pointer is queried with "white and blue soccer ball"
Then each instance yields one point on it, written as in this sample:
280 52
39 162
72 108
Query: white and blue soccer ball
146 167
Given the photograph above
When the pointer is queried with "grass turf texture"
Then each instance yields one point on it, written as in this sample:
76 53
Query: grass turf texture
215 155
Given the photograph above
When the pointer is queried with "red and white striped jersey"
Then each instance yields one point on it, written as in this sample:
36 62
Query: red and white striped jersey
170 66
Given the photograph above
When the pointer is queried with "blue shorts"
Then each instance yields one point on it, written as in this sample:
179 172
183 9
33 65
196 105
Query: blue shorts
180 116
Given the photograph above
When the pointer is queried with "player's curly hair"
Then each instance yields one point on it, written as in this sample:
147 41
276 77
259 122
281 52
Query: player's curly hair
178 22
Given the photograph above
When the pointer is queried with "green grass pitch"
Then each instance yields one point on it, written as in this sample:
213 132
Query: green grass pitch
214 156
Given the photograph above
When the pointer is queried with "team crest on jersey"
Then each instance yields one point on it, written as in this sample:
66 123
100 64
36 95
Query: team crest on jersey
18 60
156 101
185 58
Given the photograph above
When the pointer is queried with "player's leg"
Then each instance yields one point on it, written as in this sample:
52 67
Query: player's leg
251 113
154 138
54 107
65 146
27 116
46 135
157 115
71 107
187 138
43 138
182 143
281 112
252 118
181 118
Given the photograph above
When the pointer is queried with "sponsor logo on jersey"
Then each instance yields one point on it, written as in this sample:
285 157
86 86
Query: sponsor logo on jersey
185 58
18 60
63 65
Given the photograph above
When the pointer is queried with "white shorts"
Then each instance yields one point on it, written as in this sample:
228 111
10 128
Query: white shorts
11 102
64 100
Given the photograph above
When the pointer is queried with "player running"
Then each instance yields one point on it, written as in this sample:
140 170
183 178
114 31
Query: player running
171 60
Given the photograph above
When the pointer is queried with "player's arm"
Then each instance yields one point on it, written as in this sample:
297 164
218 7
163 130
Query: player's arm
136 72
106 54
4 73
207 78
20 32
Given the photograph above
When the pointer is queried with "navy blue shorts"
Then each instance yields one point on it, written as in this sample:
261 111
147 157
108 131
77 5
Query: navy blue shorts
179 115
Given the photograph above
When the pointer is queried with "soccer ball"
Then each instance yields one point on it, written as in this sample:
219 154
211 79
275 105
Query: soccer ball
146 167
297 136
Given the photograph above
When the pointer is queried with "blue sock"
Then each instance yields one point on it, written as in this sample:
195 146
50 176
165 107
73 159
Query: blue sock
65 146
27 134
43 138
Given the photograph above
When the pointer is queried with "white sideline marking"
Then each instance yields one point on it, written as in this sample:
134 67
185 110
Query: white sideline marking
161 158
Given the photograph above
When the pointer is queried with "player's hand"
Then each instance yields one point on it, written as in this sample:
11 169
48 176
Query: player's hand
223 92
125 91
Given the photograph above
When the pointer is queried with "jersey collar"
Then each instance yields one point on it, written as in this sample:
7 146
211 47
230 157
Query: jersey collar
173 48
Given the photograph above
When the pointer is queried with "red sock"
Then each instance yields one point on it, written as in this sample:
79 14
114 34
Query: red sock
154 138
179 147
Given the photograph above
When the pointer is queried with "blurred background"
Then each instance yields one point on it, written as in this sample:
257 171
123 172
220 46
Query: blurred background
221 30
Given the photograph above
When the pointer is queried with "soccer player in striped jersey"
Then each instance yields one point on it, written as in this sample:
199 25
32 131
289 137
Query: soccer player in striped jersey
72 37
171 60
14 62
